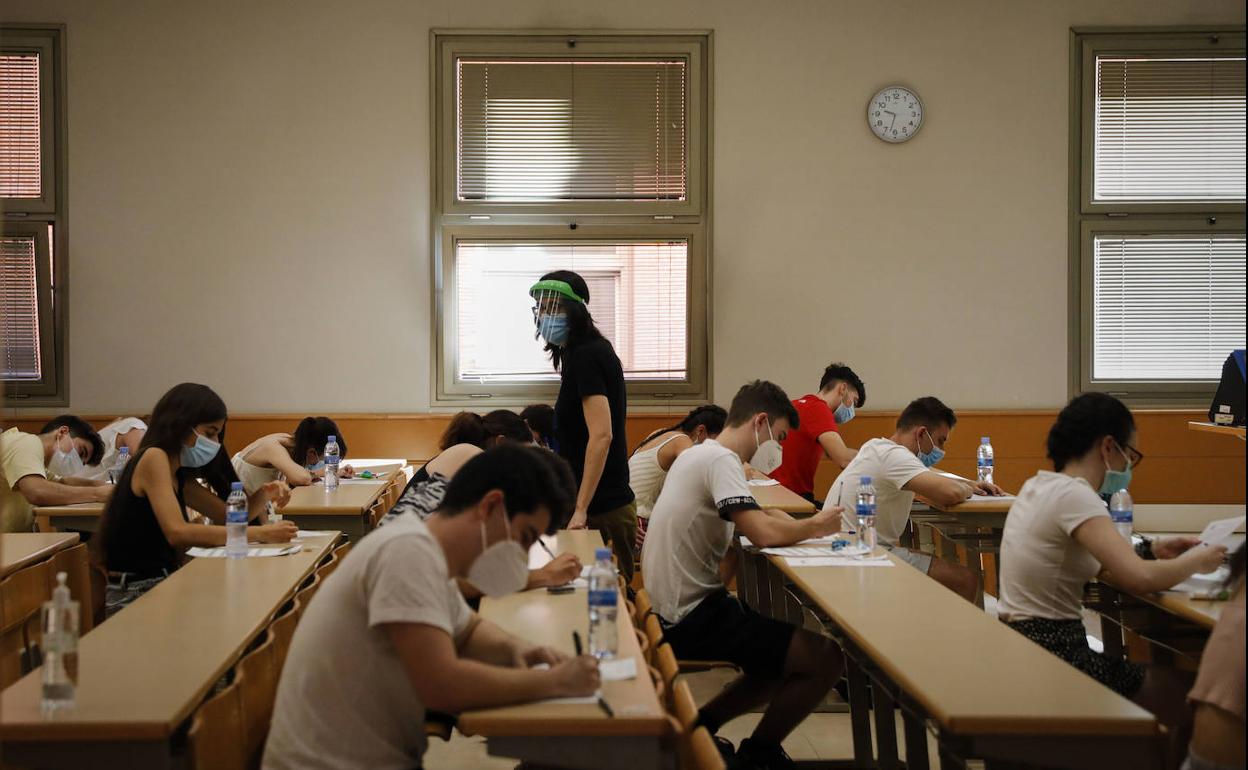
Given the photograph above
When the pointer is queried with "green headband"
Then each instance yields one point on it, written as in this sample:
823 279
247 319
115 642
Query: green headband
558 287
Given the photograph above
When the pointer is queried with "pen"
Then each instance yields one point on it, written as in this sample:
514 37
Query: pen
602 702
546 548
576 642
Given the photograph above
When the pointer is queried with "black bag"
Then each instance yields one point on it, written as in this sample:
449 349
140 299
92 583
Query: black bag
1229 398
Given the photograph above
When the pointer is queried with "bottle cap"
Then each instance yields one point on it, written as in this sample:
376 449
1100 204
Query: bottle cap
864 480
236 486
60 594
332 440
602 554
983 440
125 450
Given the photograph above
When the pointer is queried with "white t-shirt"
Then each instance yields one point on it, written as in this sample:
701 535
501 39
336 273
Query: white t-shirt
109 434
344 700
890 466
690 527
1043 568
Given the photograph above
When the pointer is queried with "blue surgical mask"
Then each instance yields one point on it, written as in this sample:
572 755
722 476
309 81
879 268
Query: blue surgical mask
316 466
201 453
1116 480
553 328
934 456
844 414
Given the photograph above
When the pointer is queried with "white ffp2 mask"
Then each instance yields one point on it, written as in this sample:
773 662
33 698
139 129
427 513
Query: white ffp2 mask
65 464
502 568
768 456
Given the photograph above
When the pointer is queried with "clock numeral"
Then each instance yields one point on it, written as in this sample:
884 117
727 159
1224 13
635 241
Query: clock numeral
879 122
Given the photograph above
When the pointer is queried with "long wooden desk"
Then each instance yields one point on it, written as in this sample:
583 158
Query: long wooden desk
781 498
83 517
587 737
21 549
345 509
1225 430
144 671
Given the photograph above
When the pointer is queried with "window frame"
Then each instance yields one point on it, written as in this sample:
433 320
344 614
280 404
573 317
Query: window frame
453 220
23 216
1088 217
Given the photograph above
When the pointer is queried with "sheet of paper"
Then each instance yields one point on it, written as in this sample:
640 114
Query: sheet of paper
588 700
314 532
837 561
360 481
1206 585
763 482
617 669
993 498
219 553
825 540
1216 532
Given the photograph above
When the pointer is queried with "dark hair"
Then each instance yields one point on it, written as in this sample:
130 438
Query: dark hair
528 477
761 396
540 418
1237 567
1083 422
78 428
472 428
313 433
581 328
929 411
841 373
710 415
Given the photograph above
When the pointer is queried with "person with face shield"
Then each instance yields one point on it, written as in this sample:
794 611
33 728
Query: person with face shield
144 531
1059 535
47 469
704 497
841 391
389 637
899 467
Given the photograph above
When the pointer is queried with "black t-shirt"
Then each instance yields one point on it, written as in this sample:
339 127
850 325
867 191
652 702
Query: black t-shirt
132 538
593 369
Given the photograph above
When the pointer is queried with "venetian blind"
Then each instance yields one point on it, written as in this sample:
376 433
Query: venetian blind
20 161
19 310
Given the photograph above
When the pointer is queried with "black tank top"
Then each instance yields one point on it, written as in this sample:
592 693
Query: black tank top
132 538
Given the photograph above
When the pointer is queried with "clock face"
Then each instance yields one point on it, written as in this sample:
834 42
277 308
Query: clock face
895 114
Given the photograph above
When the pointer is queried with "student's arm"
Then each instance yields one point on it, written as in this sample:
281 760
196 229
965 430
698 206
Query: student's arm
598 420
769 531
562 569
39 491
671 450
486 642
834 447
74 481
452 459
776 513
1131 573
445 681
131 440
754 473
939 489
273 453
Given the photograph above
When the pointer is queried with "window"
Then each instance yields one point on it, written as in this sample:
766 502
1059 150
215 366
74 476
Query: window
586 153
1157 218
32 228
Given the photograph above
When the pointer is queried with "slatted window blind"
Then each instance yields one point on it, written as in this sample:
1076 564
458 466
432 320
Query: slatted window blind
1166 307
638 299
1169 129
19 310
571 130
20 146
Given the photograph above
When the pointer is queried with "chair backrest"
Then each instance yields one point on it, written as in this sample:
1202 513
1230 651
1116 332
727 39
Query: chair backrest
215 741
342 549
99 590
283 630
76 565
305 594
654 632
644 607
703 752
660 689
376 512
684 707
257 682
327 569
22 594
644 644
665 661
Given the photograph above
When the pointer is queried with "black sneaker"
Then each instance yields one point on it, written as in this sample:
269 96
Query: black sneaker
763 756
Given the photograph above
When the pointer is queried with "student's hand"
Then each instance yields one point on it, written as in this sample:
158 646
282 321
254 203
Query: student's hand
277 492
564 568
279 532
575 677
1172 547
578 520
346 472
528 657
753 473
1204 558
987 488
827 521
102 494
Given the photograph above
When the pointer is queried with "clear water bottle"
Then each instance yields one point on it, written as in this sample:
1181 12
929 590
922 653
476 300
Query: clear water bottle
864 508
604 638
1122 510
983 460
60 648
236 522
119 465
331 458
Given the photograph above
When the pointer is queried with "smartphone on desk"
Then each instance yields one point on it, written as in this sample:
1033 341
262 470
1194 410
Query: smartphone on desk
564 589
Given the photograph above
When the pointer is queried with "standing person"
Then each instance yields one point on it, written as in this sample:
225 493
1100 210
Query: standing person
46 469
840 393
590 411
296 457
653 457
124 432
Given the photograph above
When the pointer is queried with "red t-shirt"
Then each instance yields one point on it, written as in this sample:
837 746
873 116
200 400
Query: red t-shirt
802 450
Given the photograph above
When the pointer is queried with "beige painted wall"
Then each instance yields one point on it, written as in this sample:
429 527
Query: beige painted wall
249 187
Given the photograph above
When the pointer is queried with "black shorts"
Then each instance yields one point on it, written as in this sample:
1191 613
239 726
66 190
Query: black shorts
1067 640
721 628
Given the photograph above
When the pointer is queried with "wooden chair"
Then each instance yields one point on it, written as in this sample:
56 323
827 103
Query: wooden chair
76 566
99 591
665 661
376 513
684 708
22 594
644 606
654 632
306 592
702 751
257 682
660 689
215 741
643 644
283 630
327 569
342 549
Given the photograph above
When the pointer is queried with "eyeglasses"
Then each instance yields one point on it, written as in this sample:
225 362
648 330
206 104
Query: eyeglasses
1134 455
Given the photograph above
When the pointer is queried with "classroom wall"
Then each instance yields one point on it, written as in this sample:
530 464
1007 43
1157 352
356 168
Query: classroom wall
249 192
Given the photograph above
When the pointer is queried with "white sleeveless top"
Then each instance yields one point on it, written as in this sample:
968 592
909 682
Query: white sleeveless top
109 434
252 476
646 477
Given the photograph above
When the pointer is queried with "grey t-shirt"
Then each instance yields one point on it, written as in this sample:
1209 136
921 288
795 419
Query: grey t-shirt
344 700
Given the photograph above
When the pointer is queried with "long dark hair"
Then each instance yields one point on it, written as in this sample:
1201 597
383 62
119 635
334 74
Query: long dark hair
581 328
1083 422
472 428
313 433
710 415
1237 568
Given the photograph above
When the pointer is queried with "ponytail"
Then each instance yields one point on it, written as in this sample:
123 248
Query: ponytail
709 415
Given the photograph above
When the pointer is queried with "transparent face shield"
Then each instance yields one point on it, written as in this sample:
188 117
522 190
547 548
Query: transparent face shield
549 318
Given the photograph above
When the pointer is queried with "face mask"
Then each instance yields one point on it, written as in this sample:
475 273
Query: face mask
768 456
316 466
930 458
65 464
553 328
1116 480
502 568
844 414
201 453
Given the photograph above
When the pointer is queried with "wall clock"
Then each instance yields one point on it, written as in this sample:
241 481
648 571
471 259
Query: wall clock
895 114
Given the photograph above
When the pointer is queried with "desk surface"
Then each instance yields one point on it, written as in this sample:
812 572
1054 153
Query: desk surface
1203 612
1226 430
550 619
76 509
21 549
972 506
146 669
351 498
935 646
781 497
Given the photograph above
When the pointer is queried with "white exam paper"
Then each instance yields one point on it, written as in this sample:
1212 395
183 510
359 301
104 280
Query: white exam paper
219 553
993 498
838 561
763 482
1216 532
617 669
825 540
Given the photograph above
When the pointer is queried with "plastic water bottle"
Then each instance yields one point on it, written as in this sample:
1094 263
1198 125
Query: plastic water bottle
123 457
864 507
604 594
236 522
331 459
1121 510
60 648
983 460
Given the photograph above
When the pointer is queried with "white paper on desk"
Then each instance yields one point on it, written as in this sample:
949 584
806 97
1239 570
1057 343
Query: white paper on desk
313 532
219 553
797 550
825 540
588 700
763 482
617 669
361 481
1216 532
993 498
838 561
1207 584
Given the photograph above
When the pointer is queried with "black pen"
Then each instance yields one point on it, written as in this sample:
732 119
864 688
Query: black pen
602 702
545 547
576 642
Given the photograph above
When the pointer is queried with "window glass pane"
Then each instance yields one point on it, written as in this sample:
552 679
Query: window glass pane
1166 307
1169 129
531 131
20 163
19 310
637 296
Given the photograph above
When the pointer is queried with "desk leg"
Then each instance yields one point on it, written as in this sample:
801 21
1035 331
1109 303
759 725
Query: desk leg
885 728
916 742
1111 621
859 713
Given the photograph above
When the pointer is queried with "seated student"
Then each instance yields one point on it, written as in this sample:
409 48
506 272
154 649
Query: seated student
1059 536
541 421
840 392
144 530
690 529
123 432
296 457
1218 697
650 461
898 467
388 636
60 451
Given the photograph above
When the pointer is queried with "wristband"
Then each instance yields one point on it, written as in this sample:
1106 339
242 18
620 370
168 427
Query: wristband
1144 549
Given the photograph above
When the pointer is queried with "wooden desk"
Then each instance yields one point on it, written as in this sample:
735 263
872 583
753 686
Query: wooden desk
144 671
975 513
84 517
21 549
1225 430
587 737
581 542
782 498
345 509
